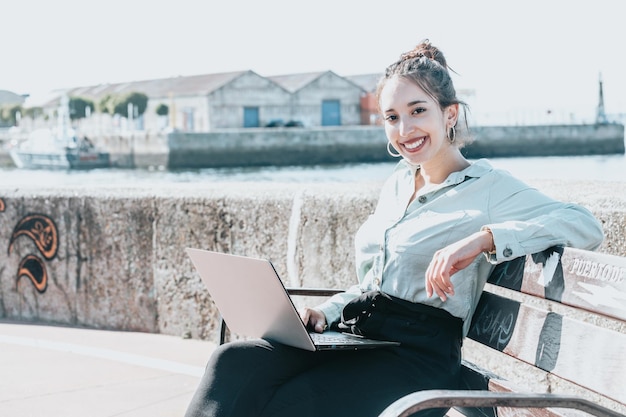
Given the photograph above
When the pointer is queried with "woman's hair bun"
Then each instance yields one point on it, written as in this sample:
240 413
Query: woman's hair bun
427 50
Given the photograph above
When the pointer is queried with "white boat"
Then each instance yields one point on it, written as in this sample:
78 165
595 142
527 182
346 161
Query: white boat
44 149
58 148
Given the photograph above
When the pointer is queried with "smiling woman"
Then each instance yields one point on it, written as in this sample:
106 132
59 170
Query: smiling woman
439 227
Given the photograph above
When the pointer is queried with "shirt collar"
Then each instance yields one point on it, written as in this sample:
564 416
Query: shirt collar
476 170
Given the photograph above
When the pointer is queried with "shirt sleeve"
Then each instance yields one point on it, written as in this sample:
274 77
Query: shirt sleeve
525 221
333 307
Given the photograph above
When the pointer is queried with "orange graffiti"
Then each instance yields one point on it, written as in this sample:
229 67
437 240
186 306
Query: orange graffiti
42 230
33 268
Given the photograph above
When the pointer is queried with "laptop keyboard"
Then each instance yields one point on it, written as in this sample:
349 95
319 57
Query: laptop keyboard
335 339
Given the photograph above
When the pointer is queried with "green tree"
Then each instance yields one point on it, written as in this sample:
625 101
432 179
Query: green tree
78 107
9 113
138 100
33 112
162 110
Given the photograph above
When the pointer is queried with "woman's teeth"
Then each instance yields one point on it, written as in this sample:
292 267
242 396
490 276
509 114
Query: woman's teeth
411 146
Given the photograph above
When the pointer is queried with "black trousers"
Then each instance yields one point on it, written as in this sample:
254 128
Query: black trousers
261 378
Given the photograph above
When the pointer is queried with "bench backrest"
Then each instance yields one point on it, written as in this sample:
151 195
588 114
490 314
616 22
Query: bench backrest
583 350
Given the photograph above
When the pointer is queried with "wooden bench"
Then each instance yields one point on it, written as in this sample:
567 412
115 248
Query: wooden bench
562 311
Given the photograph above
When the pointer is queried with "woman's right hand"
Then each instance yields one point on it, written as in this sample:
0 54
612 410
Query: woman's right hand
314 319
453 258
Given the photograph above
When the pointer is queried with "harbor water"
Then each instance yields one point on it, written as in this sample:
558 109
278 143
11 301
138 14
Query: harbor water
582 168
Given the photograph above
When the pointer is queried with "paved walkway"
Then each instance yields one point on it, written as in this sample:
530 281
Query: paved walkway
50 371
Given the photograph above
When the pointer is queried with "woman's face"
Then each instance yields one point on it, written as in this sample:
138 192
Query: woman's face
414 122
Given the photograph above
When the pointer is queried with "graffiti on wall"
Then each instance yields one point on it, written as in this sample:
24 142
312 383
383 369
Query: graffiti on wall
42 230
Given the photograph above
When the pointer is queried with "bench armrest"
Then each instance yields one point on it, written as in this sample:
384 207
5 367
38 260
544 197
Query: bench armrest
422 400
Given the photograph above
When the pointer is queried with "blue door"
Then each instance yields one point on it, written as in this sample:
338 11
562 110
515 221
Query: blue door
331 113
250 117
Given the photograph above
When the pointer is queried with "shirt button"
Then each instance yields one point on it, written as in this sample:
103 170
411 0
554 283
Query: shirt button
422 199
377 282
507 252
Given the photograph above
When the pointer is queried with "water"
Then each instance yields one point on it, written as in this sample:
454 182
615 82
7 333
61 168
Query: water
591 168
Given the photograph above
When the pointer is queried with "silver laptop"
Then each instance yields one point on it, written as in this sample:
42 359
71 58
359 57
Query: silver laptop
254 303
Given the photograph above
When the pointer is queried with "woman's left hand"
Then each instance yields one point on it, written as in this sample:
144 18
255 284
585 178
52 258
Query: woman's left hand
453 258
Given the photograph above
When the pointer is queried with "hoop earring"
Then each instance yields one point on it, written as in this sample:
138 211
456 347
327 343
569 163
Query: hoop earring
452 134
389 151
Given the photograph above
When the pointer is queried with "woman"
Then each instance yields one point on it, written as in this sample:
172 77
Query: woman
418 260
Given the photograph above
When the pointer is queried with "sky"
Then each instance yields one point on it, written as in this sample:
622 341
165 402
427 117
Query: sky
517 56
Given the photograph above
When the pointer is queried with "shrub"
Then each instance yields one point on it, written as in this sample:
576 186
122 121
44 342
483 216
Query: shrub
162 109
78 107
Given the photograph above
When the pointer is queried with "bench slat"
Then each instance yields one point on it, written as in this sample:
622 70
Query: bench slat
587 355
592 281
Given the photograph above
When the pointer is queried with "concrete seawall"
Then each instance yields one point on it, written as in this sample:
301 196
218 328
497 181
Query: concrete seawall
292 146
114 259
281 146
558 140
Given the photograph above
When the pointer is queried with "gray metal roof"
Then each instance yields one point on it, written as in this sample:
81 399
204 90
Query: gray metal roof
294 82
9 97
193 85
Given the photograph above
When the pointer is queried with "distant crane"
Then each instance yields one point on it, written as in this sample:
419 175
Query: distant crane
600 114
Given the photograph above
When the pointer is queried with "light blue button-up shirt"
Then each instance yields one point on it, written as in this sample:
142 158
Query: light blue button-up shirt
396 243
